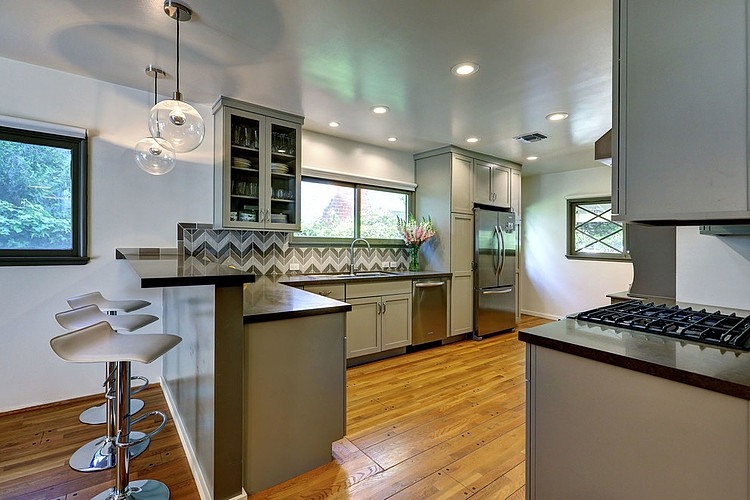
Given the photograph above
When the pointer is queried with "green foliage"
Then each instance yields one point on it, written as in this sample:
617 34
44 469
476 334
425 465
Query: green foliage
35 190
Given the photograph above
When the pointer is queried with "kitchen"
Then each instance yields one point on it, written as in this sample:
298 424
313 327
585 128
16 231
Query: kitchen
710 270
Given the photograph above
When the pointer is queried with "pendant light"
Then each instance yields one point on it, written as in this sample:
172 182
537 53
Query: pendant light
154 154
174 119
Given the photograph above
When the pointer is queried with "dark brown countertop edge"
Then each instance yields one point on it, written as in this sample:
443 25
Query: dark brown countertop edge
665 372
280 315
302 279
170 255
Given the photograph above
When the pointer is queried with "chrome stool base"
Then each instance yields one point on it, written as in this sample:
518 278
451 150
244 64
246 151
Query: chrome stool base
147 489
101 453
98 414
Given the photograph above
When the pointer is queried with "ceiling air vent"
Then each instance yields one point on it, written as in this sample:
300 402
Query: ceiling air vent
530 137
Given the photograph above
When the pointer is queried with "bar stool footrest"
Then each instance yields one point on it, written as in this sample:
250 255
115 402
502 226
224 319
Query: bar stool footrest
100 454
131 441
145 489
97 415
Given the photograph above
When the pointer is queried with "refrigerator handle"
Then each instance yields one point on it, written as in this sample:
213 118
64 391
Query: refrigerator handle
501 250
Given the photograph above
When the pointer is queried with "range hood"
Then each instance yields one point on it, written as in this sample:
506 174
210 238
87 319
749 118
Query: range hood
603 148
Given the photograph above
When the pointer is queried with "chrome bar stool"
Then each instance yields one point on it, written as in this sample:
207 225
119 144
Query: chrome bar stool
99 343
98 414
100 453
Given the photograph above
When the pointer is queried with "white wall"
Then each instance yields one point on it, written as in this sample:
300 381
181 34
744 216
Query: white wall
341 155
127 208
551 284
713 270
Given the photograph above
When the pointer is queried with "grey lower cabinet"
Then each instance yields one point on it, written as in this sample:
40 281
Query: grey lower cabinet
298 365
680 111
380 319
596 430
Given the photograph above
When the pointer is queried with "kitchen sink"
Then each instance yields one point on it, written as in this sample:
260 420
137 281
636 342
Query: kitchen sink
363 274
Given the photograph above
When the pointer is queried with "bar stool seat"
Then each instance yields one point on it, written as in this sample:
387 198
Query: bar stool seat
99 343
81 317
105 304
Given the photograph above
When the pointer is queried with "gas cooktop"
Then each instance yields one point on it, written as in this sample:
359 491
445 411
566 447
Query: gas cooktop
717 329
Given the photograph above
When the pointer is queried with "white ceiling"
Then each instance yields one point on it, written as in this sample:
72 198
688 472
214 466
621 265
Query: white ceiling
334 59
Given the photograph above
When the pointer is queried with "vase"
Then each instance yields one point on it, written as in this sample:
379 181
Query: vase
413 258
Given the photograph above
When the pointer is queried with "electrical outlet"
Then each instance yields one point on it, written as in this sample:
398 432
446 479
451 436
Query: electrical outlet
394 265
384 265
294 266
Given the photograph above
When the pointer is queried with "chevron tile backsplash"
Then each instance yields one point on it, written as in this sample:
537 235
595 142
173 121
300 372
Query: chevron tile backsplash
269 252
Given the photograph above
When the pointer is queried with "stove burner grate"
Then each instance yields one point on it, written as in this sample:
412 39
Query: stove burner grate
717 329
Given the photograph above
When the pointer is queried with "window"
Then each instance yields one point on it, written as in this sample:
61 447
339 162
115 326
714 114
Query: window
42 198
337 212
592 234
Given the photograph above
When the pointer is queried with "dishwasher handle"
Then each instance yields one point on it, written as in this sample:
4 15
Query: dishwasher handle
428 284
496 292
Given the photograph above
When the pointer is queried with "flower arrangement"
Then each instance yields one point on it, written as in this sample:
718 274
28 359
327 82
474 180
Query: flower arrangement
414 234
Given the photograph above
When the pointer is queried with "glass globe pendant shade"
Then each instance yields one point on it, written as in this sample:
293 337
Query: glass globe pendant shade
155 155
178 123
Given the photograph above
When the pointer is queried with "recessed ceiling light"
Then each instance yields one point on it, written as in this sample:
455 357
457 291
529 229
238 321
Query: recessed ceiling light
472 139
465 68
557 116
392 139
380 109
532 158
333 124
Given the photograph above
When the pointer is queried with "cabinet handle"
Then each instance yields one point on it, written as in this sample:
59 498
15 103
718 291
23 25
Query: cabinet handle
379 308
326 293
383 303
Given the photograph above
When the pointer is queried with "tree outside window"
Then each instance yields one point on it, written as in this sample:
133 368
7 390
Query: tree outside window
42 198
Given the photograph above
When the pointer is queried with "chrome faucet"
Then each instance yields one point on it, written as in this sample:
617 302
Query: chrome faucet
351 253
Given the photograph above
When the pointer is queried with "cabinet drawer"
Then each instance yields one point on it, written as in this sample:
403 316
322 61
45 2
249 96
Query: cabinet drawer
333 291
371 289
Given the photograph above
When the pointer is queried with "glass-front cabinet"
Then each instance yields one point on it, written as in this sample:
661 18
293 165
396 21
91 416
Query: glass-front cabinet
257 156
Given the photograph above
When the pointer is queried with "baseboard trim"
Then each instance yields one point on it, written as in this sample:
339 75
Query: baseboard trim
541 314
200 479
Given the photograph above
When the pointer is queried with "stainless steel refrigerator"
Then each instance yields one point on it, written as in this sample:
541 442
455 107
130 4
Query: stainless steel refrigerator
495 244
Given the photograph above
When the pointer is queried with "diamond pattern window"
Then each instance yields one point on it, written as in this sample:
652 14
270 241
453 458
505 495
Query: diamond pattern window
592 234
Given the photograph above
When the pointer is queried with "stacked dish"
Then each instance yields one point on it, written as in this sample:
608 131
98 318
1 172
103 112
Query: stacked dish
282 218
280 168
240 162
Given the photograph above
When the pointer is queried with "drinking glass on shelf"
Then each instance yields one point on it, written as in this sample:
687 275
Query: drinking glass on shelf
254 141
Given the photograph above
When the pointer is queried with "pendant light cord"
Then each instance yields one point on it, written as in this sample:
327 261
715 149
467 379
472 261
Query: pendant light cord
177 73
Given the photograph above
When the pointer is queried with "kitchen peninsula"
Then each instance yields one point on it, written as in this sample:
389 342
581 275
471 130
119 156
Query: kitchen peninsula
236 330
619 413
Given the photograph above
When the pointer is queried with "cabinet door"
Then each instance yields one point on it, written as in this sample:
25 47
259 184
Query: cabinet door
483 182
284 180
462 243
396 321
363 327
515 193
501 186
461 176
681 132
243 167
462 304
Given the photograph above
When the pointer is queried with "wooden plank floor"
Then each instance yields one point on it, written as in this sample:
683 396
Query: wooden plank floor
445 422
35 446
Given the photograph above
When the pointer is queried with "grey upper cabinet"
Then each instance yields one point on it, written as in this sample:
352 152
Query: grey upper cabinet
257 167
491 184
680 138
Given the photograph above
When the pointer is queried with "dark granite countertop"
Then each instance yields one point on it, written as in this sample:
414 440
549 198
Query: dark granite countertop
165 267
712 368
309 279
268 300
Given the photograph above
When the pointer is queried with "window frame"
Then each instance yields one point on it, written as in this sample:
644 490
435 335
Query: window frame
570 252
78 253
345 242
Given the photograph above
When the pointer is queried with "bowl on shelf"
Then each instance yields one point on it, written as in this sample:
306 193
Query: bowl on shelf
279 218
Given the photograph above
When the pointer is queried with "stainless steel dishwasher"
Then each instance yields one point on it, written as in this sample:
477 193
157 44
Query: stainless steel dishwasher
429 310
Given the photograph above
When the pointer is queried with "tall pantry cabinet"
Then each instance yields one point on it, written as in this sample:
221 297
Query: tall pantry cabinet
447 190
